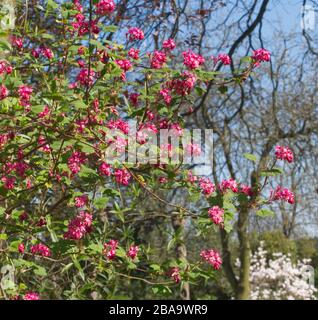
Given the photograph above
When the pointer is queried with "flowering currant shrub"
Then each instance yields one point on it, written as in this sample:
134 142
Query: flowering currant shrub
68 201
279 278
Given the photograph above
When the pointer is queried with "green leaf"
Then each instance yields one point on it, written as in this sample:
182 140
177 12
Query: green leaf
87 172
250 156
3 236
100 203
79 104
78 267
5 45
2 211
110 28
40 271
49 227
265 213
246 60
272 172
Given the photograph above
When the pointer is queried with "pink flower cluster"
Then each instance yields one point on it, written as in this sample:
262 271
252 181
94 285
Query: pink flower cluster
79 226
132 252
165 93
158 59
216 214
224 58
17 42
174 274
86 77
46 52
75 160
105 169
118 124
206 186
212 257
110 249
135 34
229 184
261 55
282 194
183 84
84 26
25 92
192 60
41 250
81 201
122 176
169 44
246 190
125 65
8 182
133 53
104 7
31 296
284 153
4 92
5 67
21 248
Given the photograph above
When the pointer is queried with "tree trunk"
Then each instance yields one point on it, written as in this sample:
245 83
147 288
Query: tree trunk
181 251
243 286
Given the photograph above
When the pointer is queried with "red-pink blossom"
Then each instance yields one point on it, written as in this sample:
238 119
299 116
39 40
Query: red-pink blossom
8 182
191 178
133 98
110 249
21 248
79 226
5 67
81 201
224 58
133 53
104 7
4 92
132 252
157 59
169 44
284 153
246 189
47 52
31 296
41 249
166 95
183 84
118 124
216 214
105 169
212 257
85 77
284 194
122 176
124 64
206 186
25 92
192 60
75 160
17 42
174 274
228 184
261 55
135 34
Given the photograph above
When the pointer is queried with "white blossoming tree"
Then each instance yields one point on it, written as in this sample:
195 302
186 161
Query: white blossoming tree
278 278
